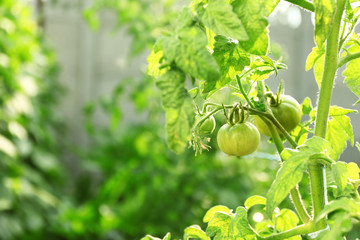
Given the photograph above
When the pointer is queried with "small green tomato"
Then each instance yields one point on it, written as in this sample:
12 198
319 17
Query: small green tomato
239 139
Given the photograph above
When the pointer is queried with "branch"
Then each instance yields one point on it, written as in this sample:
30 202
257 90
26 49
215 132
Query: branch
299 230
303 3
348 58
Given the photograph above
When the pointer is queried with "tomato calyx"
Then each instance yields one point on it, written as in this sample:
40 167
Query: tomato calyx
237 115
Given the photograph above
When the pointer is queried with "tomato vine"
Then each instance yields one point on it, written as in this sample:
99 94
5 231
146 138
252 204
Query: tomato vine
218 44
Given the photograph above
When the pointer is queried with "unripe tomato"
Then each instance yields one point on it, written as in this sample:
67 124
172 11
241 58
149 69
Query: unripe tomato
208 126
239 139
288 113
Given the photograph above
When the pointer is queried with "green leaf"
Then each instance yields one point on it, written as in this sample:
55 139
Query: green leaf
179 109
195 231
292 169
178 125
188 50
172 89
340 223
239 227
218 227
339 111
349 205
230 58
253 17
339 130
306 106
340 175
230 226
352 72
210 213
315 54
286 220
154 59
324 16
353 170
219 17
254 200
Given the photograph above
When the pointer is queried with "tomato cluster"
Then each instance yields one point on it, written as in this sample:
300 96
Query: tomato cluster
242 138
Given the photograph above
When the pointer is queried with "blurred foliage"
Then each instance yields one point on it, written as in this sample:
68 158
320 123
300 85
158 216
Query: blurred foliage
143 20
30 171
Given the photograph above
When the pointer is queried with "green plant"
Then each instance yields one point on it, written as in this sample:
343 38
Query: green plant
219 44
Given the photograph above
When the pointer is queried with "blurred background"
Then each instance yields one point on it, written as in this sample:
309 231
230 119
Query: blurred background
82 148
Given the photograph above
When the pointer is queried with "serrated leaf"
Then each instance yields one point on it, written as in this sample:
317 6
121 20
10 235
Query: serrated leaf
324 16
286 220
340 175
195 231
230 58
338 132
167 237
179 122
349 205
254 200
339 111
315 54
179 109
292 169
188 50
353 170
172 89
239 227
210 213
218 227
219 17
352 73
255 24
306 106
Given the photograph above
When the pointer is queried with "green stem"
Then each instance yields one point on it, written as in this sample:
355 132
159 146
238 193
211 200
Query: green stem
299 230
243 92
294 193
304 4
348 58
316 171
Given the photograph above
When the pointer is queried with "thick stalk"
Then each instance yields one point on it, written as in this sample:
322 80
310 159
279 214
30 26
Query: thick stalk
316 171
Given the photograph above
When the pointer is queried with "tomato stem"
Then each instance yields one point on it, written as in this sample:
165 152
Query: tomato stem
299 230
317 171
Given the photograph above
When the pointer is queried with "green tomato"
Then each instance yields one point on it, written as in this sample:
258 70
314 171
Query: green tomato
208 126
239 140
288 113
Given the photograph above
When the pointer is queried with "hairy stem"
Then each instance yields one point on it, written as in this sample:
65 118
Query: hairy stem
304 4
316 171
299 230
348 58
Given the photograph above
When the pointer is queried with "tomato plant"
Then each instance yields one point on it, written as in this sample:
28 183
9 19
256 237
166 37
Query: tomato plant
220 44
287 111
